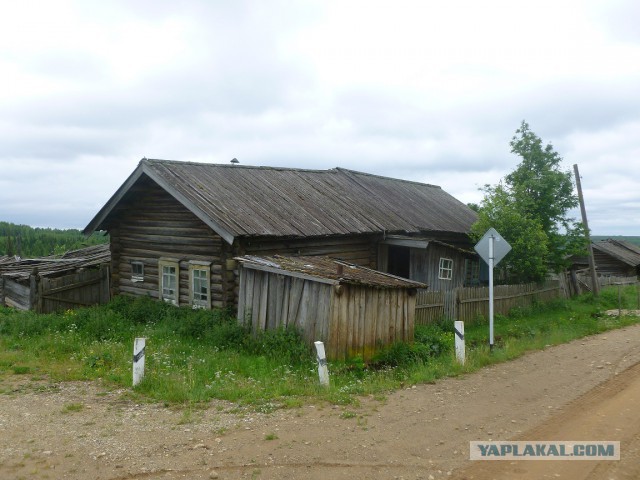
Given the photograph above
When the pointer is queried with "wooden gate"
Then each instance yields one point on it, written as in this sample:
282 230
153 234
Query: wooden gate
81 289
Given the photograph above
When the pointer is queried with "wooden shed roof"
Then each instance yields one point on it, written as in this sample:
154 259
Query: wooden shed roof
20 269
327 270
625 252
237 201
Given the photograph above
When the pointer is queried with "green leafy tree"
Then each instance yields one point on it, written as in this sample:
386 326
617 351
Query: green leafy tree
530 209
526 261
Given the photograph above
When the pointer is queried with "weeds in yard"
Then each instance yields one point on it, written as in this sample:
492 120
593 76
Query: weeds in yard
194 356
72 407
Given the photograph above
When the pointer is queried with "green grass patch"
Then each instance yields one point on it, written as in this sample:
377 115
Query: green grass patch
72 407
195 356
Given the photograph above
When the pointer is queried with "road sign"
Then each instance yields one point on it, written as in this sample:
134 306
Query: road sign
500 247
492 248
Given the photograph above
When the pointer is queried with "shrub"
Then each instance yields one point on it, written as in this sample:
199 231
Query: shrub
285 344
429 341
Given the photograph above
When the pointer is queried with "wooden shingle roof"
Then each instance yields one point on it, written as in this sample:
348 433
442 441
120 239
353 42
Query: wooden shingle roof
21 268
245 201
328 270
625 252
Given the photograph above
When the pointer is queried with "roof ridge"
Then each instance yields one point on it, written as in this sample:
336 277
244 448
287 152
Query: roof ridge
340 169
236 166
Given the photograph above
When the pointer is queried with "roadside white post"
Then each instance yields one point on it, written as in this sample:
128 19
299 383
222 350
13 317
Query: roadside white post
138 360
460 350
323 371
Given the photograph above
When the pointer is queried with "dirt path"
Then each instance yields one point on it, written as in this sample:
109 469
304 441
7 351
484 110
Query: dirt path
587 389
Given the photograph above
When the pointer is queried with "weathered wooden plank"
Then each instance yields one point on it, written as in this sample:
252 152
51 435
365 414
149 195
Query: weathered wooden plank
264 301
242 298
361 312
371 318
325 296
344 325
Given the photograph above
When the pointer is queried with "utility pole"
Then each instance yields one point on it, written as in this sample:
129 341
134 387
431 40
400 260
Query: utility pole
592 262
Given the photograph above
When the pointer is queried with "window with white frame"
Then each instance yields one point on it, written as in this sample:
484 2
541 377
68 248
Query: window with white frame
199 284
137 271
169 272
446 269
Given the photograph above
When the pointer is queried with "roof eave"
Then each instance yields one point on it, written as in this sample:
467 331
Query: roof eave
108 207
143 168
192 207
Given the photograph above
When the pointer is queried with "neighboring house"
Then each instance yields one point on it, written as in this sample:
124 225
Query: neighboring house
176 227
616 258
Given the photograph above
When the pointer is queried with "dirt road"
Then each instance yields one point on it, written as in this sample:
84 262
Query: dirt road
585 390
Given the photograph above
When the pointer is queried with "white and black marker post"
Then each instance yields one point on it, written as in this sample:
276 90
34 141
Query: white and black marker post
138 360
458 327
323 371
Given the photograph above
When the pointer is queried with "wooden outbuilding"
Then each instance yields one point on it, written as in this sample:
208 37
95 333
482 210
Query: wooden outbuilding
78 278
177 227
352 309
616 258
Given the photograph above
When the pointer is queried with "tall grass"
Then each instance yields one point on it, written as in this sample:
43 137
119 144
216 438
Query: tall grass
196 355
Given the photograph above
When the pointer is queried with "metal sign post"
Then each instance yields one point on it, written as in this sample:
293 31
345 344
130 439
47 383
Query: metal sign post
491 265
492 248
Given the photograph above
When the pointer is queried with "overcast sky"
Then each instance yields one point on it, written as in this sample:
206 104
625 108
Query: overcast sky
424 90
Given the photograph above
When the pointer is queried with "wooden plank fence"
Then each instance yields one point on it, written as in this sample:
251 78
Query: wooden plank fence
579 282
45 295
81 289
470 303
429 306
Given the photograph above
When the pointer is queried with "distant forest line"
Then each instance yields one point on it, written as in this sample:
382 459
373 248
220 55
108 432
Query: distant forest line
29 242
630 239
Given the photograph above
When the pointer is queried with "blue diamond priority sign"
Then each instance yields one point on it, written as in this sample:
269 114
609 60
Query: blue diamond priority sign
500 247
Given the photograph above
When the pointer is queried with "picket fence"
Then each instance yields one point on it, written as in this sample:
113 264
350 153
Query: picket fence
471 303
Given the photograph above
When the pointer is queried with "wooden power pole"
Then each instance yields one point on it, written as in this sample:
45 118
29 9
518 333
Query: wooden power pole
583 210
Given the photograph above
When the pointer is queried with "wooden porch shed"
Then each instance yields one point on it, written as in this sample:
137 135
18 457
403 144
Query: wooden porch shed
352 309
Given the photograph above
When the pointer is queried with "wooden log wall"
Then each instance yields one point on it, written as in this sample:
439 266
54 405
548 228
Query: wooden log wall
157 226
610 266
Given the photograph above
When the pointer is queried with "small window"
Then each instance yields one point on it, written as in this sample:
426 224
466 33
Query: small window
199 284
169 271
137 271
446 269
471 272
